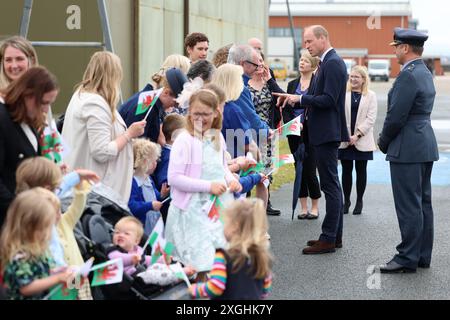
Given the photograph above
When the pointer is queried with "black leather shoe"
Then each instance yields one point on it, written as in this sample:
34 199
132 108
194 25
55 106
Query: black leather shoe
423 265
347 207
358 208
394 267
271 211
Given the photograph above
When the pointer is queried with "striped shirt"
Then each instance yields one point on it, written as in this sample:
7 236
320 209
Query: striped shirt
217 282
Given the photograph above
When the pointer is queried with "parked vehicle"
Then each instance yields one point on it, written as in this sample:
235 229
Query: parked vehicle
279 68
379 69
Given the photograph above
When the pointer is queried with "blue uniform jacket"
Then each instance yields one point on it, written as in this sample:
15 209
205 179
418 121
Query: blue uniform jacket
407 135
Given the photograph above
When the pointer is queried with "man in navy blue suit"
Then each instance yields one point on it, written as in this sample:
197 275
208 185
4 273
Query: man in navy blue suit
325 105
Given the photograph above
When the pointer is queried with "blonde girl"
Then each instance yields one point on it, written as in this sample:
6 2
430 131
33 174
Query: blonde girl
243 271
41 172
24 259
198 170
145 198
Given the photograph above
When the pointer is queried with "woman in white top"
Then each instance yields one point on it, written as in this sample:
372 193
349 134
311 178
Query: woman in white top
94 131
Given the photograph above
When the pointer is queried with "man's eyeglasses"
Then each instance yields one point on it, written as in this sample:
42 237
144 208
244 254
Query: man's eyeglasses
254 64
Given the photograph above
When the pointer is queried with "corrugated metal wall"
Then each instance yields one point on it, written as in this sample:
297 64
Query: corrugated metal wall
224 22
144 32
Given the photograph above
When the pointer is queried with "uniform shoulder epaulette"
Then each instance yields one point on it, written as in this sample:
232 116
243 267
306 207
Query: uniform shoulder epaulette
411 67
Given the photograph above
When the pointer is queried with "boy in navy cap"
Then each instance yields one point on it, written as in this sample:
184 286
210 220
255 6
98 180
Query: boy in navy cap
410 144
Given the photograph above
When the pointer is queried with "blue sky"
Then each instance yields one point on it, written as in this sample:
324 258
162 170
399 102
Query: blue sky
433 16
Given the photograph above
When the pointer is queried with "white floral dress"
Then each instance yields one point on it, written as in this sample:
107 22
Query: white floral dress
193 234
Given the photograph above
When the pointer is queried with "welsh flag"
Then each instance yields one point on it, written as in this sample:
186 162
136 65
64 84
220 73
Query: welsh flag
147 101
254 168
107 273
160 247
177 269
164 249
50 141
62 292
214 207
293 128
283 160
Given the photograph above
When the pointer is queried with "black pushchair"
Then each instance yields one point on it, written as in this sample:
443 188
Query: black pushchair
94 234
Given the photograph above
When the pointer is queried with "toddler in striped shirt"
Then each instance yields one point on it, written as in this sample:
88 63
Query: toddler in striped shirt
243 271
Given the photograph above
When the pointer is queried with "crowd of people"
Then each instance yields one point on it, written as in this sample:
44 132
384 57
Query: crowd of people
200 134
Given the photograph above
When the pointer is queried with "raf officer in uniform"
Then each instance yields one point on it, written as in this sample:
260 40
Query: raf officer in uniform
410 144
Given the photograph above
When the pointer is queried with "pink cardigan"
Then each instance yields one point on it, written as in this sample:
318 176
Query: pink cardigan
185 169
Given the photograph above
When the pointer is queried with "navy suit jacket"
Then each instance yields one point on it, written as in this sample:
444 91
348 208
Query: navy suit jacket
326 102
407 135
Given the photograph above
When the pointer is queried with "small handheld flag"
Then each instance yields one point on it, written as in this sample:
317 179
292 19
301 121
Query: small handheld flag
107 273
177 269
292 128
147 100
283 160
51 142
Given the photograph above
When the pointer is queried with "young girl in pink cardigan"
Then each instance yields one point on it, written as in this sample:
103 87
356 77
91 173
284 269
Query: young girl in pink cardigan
197 170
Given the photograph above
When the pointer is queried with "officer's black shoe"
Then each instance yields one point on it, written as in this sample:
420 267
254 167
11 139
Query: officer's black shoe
423 265
271 211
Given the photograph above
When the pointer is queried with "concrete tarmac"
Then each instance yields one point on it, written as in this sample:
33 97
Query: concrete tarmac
369 239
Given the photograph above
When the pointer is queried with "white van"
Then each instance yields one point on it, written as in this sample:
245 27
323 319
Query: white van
379 69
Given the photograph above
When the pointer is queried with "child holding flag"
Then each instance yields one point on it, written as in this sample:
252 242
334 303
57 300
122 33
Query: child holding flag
128 233
24 242
145 198
41 172
243 271
197 170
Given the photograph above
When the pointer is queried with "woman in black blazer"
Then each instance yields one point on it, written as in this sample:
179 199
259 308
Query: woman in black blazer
22 116
310 184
